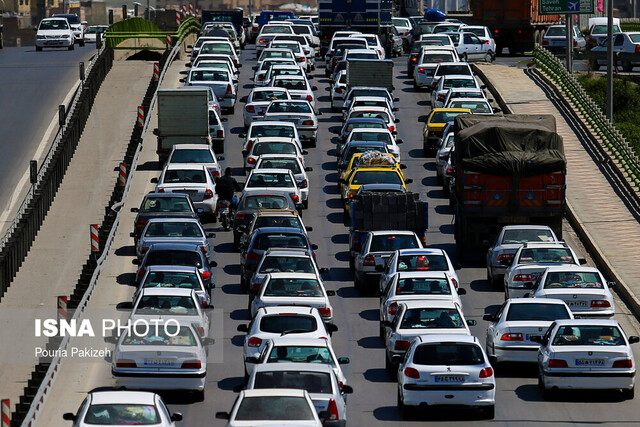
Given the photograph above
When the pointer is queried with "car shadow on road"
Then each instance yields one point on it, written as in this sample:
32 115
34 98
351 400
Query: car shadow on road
444 210
237 130
481 285
336 218
387 413
334 203
516 370
430 165
128 251
331 177
224 248
240 314
232 289
329 166
341 274
238 340
378 375
153 165
348 292
447 229
424 102
340 239
435 194
430 181
372 315
330 189
228 384
371 342
126 279
232 269
416 153
342 256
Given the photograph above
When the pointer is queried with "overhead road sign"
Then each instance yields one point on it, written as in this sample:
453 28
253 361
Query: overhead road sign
557 7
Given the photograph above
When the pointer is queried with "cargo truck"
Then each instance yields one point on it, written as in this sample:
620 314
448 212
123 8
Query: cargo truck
234 16
370 73
507 170
183 118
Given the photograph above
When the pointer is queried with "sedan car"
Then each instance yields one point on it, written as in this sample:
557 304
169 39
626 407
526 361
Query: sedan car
277 179
176 254
318 380
298 87
220 81
173 230
274 129
161 205
368 91
301 113
201 154
583 289
174 358
258 100
281 260
434 127
367 135
477 106
268 407
426 259
515 326
111 408
625 47
295 164
54 32
357 123
271 146
370 101
586 354
338 91
260 78
446 82
176 276
375 112
426 64
555 40
446 370
500 254
283 70
93 32
444 151
194 180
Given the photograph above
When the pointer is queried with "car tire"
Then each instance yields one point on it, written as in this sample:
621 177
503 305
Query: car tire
73 46
38 48
629 394
305 204
489 412
406 412
81 42
489 57
390 368
416 87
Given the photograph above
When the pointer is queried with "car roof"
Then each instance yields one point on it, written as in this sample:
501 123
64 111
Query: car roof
293 366
367 143
269 170
573 268
166 195
293 275
280 139
594 322
286 309
422 274
392 187
173 268
266 392
121 396
391 232
430 304
278 156
512 301
370 108
203 147
526 227
545 245
458 76
185 166
289 230
292 252
365 120
469 100
277 212
169 219
370 130
307 342
272 122
451 338
178 292
193 247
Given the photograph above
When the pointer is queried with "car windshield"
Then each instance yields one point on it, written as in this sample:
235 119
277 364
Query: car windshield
191 156
362 55
291 164
173 229
95 30
293 47
364 125
54 24
209 64
523 236
537 312
265 202
417 46
423 286
165 204
400 22
545 255
274 408
171 279
475 106
185 176
167 335
269 95
275 264
273 148
313 382
300 354
121 414
279 240
437 57
602 29
464 94
433 262
372 136
367 103
445 116
293 288
72 18
445 28
371 115
209 74
556 31
276 54
588 335
217 48
270 180
166 305
288 323
293 84
369 92
272 130
386 243
286 72
376 177
570 279
429 318
284 29
174 257
477 31
289 107
458 354
449 83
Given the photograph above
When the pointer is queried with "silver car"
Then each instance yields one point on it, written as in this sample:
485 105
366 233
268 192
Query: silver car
298 87
192 179
258 101
268 129
338 91
176 276
172 230
293 163
221 81
200 154
260 76
301 113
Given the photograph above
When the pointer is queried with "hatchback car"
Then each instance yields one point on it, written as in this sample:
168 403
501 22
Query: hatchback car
220 81
273 129
200 154
295 164
271 146
176 254
298 87
281 260
426 259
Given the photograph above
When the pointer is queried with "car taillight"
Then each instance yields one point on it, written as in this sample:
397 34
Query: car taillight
295 198
486 373
309 98
235 62
254 342
220 133
206 275
339 90
637 48
575 43
303 59
600 303
161 190
558 363
325 312
545 42
240 215
204 304
200 328
140 272
441 97
307 123
449 171
393 308
411 373
146 248
223 205
250 109
204 249
523 278
252 256
626 363
251 161
208 194
191 364
262 41
401 345
369 261
229 90
392 128
125 363
505 257
333 410
304 183
256 287
421 70
261 78
215 174
414 59
249 145
356 242
487 42
455 283
141 224
516 336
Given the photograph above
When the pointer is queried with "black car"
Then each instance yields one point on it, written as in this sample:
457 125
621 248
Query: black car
186 254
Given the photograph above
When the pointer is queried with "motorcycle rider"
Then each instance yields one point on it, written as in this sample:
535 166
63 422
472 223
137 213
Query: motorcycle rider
226 186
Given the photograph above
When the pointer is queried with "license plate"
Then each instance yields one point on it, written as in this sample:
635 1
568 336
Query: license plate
577 303
186 191
589 362
224 211
533 336
158 362
449 379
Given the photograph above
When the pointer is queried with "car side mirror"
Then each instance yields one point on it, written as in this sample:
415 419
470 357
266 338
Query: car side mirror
633 339
308 169
324 415
224 119
497 110
324 270
347 389
379 268
396 99
472 322
132 234
189 46
135 261
134 210
314 247
154 180
422 119
238 388
155 132
462 291
208 341
314 87
213 264
176 416
397 120
183 80
319 113
220 158
331 293
242 135
457 266
127 305
408 181
489 317
582 261
611 284
253 360
224 415
211 235
331 327
254 68
71 417
385 323
308 228
305 152
341 181
536 338
244 99
395 109
403 166
399 141
343 361
483 87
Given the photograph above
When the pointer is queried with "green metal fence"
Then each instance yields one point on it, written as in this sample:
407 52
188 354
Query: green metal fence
138 28
612 138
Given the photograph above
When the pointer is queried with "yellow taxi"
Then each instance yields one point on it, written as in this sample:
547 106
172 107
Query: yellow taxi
435 125
383 159
389 174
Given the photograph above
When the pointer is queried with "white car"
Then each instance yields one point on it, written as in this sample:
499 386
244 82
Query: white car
446 370
427 63
179 304
375 112
172 230
283 70
338 91
221 81
447 82
299 350
482 33
173 359
476 105
295 47
111 407
219 64
298 86
373 42
404 27
517 323
219 47
292 162
54 32
300 112
309 51
471 48
273 322
586 354
277 260
425 259
273 179
176 276
419 318
195 49
370 101
260 76
274 53
417 285
269 407
274 129
444 151
77 26
383 135
258 101
501 252
530 261
193 179
204 57
583 289
93 32
318 380
201 154
271 146
370 54
300 289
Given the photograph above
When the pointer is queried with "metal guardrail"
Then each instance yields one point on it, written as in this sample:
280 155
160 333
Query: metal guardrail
592 113
187 26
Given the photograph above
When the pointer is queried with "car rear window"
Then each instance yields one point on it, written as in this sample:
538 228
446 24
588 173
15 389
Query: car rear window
588 335
445 116
185 176
539 312
545 255
192 156
274 408
376 177
269 95
293 287
371 136
449 83
474 106
300 354
289 107
171 279
313 382
522 236
265 202
427 318
165 204
168 336
122 414
288 323
437 57
393 243
422 262
556 31
423 286
173 229
272 131
174 257
273 148
277 221
278 180
290 164
166 305
569 279
448 354
266 241
274 264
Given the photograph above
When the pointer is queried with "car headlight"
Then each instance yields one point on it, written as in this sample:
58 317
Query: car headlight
65 36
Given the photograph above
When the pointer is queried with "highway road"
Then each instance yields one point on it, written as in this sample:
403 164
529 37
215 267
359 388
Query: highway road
32 85
518 400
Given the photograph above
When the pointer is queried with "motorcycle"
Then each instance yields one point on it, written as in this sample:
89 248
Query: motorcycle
224 212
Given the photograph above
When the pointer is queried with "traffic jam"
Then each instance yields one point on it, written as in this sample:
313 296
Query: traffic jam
556 313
